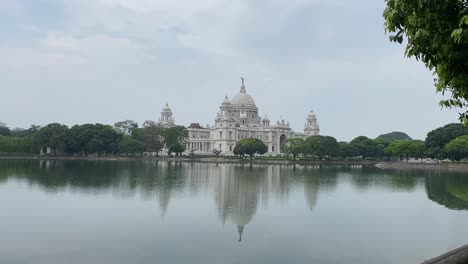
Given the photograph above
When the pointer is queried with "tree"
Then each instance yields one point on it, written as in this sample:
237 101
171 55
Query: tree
175 139
77 137
104 139
311 145
394 136
365 146
321 146
93 138
437 34
126 127
216 152
457 149
250 147
347 150
132 146
17 145
438 138
5 131
53 136
296 147
406 149
152 135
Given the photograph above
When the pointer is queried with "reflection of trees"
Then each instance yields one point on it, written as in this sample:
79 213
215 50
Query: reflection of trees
397 180
237 189
449 190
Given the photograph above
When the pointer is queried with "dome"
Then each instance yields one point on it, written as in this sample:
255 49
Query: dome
243 98
311 114
266 119
167 108
226 101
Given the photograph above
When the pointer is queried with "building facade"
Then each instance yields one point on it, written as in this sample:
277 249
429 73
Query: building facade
237 119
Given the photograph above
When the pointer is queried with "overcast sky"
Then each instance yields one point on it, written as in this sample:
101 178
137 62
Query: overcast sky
80 61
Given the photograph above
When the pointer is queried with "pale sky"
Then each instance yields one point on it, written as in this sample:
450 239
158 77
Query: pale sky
103 61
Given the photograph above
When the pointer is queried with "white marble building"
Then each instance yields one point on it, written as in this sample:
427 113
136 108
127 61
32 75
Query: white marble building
238 119
2 124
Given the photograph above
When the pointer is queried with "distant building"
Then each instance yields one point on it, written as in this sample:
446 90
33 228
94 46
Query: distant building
2 124
238 119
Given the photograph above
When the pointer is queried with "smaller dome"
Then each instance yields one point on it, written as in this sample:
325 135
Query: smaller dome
167 108
226 101
266 119
311 114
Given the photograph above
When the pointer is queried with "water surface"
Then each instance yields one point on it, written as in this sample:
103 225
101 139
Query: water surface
160 212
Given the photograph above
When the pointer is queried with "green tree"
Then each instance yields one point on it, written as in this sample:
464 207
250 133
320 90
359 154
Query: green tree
250 147
17 145
394 136
53 136
132 146
406 149
438 138
437 34
93 138
152 135
5 131
347 150
311 145
22 133
77 137
295 147
104 140
126 127
175 139
328 146
365 147
457 149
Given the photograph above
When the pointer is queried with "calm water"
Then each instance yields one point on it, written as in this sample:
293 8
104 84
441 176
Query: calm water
148 212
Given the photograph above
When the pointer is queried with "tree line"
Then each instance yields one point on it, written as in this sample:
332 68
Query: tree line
128 138
450 141
123 138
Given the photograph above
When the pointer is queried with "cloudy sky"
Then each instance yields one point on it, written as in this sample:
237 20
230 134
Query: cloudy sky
79 61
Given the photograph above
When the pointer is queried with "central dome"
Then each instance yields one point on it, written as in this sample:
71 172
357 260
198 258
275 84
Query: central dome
243 98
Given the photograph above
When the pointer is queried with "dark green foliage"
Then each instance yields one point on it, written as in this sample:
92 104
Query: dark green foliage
5 131
250 147
457 149
295 147
132 146
21 132
175 139
126 127
152 135
394 136
347 150
321 146
93 139
437 34
406 149
438 138
365 147
53 136
17 145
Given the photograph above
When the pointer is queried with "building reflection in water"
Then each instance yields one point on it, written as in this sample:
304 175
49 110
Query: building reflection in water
238 190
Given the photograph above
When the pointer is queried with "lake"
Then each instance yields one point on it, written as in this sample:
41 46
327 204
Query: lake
173 212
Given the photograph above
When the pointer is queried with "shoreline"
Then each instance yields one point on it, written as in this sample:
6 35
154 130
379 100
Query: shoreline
384 165
444 166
